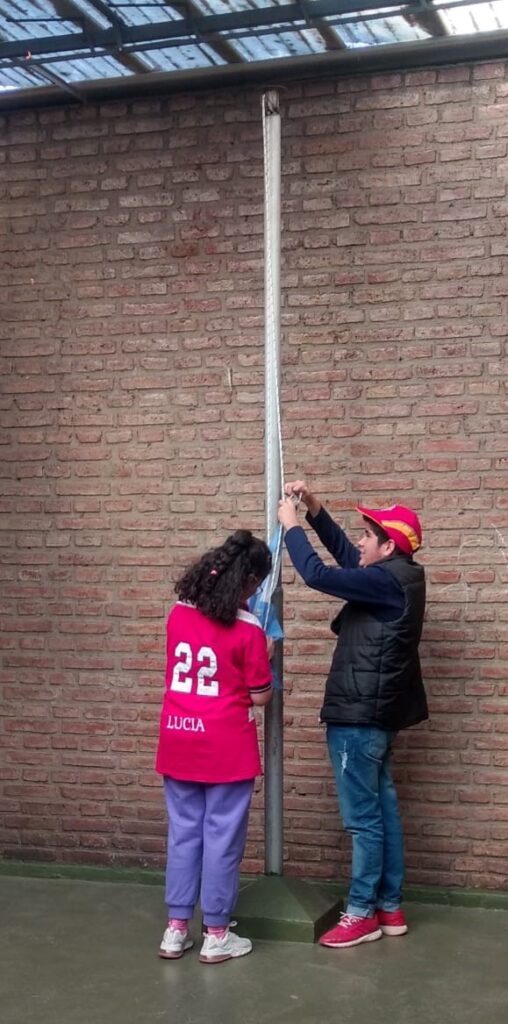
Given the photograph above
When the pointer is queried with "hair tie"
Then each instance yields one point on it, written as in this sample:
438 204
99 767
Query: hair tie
214 572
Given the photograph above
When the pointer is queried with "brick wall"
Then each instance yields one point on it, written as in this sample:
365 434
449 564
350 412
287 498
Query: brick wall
131 414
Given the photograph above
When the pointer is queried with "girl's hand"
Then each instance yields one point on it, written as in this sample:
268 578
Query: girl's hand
270 647
287 514
301 488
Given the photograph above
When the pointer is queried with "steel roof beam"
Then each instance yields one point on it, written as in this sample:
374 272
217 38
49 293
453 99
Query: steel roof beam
71 11
329 34
431 21
49 76
216 42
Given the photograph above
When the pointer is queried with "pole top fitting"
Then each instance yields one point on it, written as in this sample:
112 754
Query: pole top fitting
271 102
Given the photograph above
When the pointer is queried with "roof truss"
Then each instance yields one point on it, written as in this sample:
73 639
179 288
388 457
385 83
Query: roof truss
101 31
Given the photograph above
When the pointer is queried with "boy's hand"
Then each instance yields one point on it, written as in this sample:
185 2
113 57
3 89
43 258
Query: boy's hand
301 488
287 514
298 487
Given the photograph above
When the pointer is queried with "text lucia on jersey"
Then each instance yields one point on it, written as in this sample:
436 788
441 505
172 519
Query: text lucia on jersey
181 724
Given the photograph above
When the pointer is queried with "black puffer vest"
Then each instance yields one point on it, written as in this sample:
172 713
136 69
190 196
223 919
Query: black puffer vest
375 677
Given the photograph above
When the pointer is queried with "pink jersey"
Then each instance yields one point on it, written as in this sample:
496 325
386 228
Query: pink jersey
207 728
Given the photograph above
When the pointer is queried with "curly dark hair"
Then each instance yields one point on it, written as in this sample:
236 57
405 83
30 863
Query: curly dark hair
216 583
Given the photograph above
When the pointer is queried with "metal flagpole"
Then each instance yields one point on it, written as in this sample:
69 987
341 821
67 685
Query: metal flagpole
273 469
275 906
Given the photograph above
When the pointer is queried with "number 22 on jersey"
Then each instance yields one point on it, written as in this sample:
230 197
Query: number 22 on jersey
182 680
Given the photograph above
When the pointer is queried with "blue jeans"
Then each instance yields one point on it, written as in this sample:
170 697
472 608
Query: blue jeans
360 757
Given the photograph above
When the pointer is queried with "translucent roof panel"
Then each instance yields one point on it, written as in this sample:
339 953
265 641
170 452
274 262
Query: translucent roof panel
85 69
178 58
25 18
53 43
229 6
479 17
16 78
280 43
392 28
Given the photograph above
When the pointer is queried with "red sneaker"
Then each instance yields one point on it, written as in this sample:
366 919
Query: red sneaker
350 931
392 922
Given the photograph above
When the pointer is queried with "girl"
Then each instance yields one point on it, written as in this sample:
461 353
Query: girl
217 669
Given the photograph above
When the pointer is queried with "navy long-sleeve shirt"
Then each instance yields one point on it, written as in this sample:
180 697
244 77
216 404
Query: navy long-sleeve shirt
373 585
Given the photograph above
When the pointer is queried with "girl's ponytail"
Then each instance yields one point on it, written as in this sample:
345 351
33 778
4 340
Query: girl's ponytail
217 583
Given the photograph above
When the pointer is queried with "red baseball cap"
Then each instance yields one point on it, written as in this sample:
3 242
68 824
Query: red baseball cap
401 524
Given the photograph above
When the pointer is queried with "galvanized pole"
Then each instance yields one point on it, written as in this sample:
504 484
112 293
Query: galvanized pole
273 469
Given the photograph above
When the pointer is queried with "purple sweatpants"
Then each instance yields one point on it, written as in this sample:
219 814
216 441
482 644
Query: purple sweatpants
206 841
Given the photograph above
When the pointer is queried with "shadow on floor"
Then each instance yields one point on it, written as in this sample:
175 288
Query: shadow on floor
75 952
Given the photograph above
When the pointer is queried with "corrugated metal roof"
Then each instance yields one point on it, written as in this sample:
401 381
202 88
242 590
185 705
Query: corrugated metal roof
68 43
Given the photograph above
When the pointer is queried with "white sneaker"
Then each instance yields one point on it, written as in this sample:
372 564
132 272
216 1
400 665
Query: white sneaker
174 944
215 950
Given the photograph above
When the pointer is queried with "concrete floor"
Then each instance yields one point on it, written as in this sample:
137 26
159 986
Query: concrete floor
74 952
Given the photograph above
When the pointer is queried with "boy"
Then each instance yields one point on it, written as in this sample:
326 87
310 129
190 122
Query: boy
374 688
